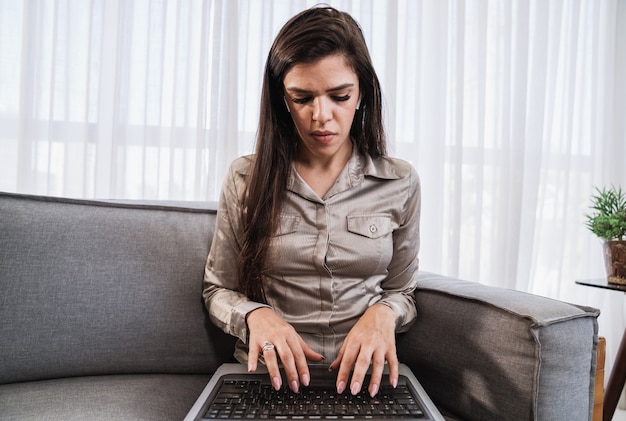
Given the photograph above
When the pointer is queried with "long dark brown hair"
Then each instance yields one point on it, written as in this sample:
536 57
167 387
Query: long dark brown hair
307 37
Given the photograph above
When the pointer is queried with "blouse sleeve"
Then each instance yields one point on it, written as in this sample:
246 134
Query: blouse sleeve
400 284
227 307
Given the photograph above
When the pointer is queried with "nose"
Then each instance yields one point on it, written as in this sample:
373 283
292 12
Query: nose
321 110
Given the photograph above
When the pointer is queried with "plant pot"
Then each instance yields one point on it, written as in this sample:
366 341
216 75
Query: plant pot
615 261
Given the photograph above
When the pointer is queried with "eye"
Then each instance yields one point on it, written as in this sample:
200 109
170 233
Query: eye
342 98
302 100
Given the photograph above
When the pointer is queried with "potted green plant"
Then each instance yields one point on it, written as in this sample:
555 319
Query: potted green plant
608 222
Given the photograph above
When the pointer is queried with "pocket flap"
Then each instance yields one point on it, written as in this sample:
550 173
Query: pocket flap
288 224
371 226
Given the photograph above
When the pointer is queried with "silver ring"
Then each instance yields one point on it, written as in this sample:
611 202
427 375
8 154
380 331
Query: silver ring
267 346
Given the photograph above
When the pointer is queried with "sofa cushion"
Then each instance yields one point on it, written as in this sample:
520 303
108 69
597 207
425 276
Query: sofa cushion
497 354
151 397
94 287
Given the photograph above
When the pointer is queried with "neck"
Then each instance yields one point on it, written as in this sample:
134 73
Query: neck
322 163
321 174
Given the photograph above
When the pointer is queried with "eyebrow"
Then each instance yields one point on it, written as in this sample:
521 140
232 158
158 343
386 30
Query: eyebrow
295 89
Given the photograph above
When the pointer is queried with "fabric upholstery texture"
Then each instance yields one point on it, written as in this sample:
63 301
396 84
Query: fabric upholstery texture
103 288
480 350
111 398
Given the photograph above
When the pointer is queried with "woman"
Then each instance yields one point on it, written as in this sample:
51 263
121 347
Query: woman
315 250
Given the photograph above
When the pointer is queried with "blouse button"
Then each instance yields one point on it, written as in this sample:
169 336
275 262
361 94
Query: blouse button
373 228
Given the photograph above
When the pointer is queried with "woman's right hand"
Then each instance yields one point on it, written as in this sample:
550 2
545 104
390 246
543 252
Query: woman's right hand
274 338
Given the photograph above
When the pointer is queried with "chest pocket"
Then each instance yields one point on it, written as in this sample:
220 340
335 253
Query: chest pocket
371 226
288 224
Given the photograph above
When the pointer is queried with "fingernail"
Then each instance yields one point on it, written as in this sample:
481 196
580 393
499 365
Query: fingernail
394 383
356 388
373 390
341 387
305 379
276 383
294 386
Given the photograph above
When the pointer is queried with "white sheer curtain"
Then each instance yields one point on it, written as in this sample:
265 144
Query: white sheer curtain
512 111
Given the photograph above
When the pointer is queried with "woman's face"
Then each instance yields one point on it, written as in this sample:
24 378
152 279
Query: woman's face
322 98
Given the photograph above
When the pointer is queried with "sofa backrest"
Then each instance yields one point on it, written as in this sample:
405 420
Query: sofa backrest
100 287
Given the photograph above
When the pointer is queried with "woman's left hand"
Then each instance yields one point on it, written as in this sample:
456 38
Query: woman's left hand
371 341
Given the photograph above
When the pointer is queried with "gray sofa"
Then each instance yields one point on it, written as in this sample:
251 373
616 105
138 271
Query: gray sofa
101 317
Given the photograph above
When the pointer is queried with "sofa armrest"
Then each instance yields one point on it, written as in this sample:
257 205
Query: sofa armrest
487 353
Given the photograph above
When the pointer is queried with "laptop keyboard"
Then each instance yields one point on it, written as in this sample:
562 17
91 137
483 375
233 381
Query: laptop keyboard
254 399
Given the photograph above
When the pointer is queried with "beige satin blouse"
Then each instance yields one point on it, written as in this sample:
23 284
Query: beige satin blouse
333 256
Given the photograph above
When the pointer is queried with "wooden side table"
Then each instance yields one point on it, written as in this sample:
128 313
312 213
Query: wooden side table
617 379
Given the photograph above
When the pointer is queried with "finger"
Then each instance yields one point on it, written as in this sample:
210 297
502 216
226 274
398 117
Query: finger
378 366
345 367
289 365
253 358
310 354
361 367
271 362
294 359
338 359
300 361
394 368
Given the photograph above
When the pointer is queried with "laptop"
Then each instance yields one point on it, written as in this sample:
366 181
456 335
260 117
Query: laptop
235 394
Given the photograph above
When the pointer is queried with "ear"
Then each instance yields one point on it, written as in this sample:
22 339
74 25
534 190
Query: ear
286 104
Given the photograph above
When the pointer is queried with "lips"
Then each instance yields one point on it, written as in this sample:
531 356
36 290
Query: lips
323 136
